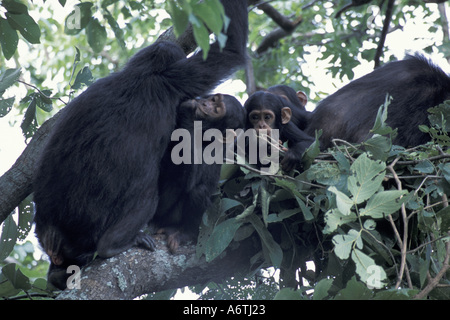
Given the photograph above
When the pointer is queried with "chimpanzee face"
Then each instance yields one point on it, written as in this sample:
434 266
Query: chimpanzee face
209 108
262 119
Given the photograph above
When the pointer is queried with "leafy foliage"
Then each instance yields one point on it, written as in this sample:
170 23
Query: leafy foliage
349 213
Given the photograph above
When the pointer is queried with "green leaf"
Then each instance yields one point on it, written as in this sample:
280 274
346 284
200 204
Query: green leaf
15 7
211 14
445 170
8 238
180 17
396 294
334 218
344 203
118 32
6 287
370 224
424 166
378 146
26 214
288 294
16 277
270 246
221 237
282 215
305 210
8 39
354 290
6 106
9 77
440 116
324 173
78 19
84 77
383 204
43 101
366 179
444 214
321 289
201 35
96 35
26 25
370 273
29 123
265 198
312 151
343 243
380 126
228 204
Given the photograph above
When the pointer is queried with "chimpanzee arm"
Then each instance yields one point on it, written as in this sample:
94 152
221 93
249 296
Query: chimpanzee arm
196 77
298 142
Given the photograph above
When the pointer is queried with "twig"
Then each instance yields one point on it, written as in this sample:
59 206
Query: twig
407 162
403 242
41 93
433 282
425 244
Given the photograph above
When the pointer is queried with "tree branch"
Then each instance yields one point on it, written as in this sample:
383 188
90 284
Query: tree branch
287 26
433 282
384 32
121 277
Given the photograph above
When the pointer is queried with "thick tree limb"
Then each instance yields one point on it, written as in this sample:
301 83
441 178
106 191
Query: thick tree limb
121 277
16 183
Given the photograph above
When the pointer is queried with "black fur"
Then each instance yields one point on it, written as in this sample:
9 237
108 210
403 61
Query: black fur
186 189
415 85
96 184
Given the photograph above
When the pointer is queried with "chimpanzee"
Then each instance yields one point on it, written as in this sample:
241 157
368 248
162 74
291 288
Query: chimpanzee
415 85
186 189
96 184
296 101
266 110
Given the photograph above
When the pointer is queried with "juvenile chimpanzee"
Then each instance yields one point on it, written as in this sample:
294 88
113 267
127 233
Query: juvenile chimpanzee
296 101
186 189
266 110
415 85
96 184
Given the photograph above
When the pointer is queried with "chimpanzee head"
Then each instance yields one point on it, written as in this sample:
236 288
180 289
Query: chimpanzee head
267 111
219 111
298 98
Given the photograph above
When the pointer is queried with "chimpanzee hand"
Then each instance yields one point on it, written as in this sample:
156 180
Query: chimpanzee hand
290 160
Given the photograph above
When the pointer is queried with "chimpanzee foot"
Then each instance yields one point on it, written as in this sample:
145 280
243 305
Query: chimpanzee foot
175 237
145 241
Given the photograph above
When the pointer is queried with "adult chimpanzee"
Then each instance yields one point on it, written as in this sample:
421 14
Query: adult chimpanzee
266 110
96 185
415 85
186 189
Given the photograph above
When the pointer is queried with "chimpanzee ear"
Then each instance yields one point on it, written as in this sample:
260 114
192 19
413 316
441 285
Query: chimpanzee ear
302 97
286 114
